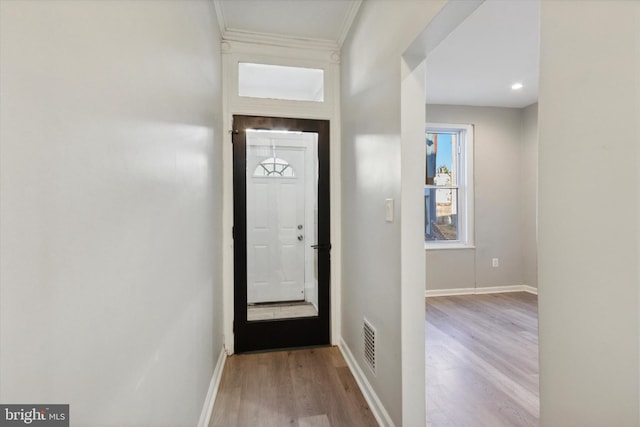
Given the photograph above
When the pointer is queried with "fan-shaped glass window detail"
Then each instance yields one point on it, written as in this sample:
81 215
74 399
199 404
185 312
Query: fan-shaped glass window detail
274 167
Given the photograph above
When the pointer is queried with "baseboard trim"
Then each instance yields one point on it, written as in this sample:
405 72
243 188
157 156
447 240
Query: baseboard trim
377 408
479 291
449 292
499 289
214 385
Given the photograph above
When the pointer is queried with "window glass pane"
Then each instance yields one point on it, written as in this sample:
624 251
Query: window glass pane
441 214
282 225
274 167
441 159
280 82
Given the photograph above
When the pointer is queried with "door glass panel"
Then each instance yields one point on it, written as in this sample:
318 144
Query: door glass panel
282 226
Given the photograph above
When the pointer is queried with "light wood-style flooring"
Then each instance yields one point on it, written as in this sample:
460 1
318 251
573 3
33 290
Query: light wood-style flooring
481 364
298 388
482 360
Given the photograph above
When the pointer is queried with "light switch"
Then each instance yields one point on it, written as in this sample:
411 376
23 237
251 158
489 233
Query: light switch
388 210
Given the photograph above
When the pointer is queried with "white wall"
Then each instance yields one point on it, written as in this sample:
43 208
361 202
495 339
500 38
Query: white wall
110 199
504 199
371 158
589 105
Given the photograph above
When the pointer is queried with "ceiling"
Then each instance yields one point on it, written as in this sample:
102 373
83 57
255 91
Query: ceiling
476 64
495 47
320 22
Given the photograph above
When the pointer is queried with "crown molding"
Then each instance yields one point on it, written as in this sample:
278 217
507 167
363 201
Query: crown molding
348 21
220 16
278 40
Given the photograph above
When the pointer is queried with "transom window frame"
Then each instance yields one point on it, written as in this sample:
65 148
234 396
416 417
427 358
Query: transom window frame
275 91
464 183
238 52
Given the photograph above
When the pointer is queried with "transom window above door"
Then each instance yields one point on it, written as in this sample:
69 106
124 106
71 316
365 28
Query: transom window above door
280 82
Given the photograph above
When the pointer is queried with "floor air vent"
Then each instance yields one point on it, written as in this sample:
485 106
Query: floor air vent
370 345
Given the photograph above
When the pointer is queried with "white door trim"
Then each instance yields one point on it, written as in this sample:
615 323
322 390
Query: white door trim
327 110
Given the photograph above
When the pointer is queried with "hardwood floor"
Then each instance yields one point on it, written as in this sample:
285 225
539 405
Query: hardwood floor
482 360
299 388
481 364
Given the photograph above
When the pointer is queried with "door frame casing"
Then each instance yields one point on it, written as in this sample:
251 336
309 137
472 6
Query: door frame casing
280 333
326 59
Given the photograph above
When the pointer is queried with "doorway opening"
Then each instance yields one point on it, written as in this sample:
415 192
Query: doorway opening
483 286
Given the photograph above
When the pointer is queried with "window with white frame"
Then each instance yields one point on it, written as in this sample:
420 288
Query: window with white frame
448 189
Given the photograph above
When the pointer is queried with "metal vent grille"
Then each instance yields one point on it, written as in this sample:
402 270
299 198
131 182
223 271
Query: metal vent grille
370 345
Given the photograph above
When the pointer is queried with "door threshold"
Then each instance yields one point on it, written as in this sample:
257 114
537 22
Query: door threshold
283 310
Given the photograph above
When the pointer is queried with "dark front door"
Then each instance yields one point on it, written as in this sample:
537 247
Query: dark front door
281 232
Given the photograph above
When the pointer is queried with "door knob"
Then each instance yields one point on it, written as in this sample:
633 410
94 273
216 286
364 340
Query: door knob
300 237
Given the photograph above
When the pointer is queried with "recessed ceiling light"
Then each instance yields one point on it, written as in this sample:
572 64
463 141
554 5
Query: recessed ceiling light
516 86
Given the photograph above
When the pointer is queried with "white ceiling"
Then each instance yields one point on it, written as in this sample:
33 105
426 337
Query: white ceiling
319 21
476 64
496 46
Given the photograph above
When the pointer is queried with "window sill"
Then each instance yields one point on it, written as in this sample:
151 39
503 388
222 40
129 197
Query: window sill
445 246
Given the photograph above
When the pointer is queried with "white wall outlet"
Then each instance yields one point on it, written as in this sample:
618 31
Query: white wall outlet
495 262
